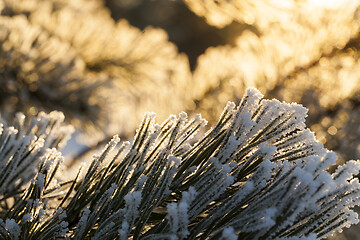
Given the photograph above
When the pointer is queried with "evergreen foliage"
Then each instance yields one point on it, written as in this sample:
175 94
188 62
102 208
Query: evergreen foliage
73 57
258 174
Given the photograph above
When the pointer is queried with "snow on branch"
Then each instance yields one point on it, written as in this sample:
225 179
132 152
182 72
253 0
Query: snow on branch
258 174
23 147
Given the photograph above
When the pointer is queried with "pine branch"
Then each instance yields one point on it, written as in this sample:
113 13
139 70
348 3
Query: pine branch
95 70
258 174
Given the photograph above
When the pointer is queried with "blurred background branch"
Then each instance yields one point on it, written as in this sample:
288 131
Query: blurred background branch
105 63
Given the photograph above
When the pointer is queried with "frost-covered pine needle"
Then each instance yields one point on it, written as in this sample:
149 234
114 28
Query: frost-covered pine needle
258 174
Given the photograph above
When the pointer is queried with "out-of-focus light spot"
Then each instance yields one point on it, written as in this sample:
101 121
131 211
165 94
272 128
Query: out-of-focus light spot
249 20
332 130
316 127
33 77
344 116
33 87
28 66
32 111
325 121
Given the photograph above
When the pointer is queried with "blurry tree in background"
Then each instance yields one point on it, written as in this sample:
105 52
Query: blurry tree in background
78 60
75 58
72 56
303 51
104 63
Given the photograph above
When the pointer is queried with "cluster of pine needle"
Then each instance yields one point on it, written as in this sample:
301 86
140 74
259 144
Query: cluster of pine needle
259 173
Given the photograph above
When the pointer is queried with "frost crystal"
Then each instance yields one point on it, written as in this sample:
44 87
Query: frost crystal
40 181
27 218
178 214
13 228
229 234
